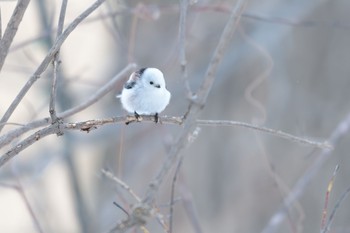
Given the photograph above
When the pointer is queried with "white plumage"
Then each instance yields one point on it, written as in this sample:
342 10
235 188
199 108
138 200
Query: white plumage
145 92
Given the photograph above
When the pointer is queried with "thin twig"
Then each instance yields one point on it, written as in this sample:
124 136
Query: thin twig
0 24
227 34
297 191
121 208
172 196
44 64
122 184
336 207
182 44
326 201
20 190
56 61
11 29
190 208
277 133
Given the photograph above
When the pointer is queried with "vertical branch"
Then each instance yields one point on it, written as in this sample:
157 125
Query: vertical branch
0 25
172 196
182 44
132 38
11 29
52 107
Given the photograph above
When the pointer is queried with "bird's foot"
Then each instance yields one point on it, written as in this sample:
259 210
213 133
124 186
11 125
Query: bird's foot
156 118
135 118
138 117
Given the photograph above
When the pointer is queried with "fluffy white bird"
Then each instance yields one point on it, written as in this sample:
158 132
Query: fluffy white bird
145 93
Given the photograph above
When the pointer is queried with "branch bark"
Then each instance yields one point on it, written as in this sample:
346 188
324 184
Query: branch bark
11 30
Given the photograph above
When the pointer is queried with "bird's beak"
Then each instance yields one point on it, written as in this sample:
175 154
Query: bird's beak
157 86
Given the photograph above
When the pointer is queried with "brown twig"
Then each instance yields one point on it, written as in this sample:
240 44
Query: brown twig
326 201
11 29
44 64
334 211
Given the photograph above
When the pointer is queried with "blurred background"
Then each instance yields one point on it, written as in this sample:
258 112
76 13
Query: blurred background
286 68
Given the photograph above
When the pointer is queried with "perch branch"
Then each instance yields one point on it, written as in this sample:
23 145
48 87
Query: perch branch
90 125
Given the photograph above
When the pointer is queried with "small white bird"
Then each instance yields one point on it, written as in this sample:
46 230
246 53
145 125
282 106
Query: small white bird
145 93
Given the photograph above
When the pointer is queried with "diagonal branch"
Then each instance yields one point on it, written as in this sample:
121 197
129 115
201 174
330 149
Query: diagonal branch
342 129
45 63
11 29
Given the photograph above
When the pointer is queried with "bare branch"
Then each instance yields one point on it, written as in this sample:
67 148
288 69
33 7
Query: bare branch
339 132
326 201
90 125
110 176
277 133
52 107
44 64
20 190
182 44
102 91
210 76
26 143
13 134
172 196
336 207
0 24
11 30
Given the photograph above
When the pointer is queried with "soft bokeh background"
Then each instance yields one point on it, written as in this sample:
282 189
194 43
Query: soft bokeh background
297 54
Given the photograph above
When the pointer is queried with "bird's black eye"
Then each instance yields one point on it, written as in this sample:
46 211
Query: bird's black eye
151 83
